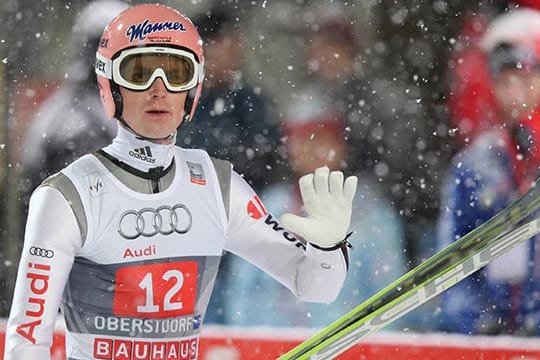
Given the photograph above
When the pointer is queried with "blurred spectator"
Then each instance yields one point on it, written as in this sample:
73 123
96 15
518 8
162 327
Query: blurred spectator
470 100
334 67
316 137
234 121
72 121
69 123
382 143
493 170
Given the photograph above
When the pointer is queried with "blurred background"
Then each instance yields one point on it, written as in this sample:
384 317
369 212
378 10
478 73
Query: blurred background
401 112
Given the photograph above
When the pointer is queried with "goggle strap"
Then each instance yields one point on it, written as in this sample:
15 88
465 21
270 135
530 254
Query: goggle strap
103 66
201 72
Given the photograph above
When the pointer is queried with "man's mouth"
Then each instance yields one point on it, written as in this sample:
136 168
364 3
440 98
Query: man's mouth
157 112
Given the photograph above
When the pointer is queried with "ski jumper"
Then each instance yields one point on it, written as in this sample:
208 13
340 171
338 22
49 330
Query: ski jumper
127 242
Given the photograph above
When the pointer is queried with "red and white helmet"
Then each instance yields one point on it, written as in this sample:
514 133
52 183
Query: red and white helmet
145 42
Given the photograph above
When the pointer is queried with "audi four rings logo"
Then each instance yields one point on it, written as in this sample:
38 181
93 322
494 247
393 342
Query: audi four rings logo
37 251
149 222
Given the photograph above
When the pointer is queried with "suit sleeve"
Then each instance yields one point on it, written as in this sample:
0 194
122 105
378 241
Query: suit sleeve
52 238
312 274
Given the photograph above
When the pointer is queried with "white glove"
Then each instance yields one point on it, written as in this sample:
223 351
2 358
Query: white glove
328 205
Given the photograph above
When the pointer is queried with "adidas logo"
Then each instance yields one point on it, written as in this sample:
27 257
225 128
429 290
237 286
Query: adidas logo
144 154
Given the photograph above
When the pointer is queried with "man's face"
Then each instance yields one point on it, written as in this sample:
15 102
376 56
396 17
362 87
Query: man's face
223 55
310 151
517 92
155 112
329 57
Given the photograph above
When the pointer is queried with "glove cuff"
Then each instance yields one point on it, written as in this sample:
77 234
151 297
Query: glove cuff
344 245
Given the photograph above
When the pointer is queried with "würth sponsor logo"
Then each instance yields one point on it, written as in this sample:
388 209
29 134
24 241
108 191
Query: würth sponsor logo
255 208
185 349
287 235
38 275
144 154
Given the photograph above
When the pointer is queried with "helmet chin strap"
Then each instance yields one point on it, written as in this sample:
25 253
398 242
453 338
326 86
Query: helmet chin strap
142 137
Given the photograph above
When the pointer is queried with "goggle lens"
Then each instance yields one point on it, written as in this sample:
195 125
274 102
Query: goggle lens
138 69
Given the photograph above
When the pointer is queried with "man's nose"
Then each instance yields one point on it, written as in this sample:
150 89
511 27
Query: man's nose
158 87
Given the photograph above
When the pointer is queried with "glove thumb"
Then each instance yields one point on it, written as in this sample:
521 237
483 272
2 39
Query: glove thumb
297 224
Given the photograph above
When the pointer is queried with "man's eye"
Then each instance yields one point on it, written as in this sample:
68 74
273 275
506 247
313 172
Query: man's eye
141 75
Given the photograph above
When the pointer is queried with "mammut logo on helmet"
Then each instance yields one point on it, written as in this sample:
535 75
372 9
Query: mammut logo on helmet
141 30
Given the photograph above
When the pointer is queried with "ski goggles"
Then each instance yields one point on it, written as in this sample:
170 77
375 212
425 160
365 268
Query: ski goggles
137 68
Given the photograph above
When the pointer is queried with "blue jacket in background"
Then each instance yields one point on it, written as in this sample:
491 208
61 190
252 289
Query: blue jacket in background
236 123
481 182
